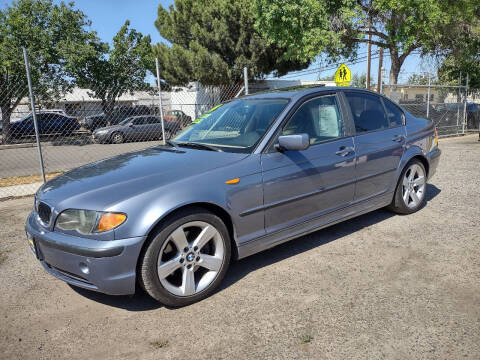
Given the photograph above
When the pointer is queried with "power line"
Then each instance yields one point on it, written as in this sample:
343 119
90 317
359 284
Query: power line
335 65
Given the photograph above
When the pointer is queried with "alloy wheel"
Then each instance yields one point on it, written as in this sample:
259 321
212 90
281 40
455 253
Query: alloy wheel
413 186
191 258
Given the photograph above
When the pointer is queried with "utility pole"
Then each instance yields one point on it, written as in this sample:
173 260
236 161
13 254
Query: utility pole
380 64
369 51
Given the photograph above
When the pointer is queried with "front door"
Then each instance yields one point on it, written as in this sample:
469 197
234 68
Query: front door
379 143
300 186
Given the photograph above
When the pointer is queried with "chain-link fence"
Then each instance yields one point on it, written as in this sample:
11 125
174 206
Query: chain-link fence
76 127
449 107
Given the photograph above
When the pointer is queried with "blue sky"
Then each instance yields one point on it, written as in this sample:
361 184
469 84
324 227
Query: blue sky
109 15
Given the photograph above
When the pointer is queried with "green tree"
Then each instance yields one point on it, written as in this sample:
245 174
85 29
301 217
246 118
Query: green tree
111 72
313 27
464 59
418 79
360 81
47 31
211 42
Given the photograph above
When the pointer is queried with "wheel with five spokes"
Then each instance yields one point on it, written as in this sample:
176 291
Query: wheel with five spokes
411 188
186 258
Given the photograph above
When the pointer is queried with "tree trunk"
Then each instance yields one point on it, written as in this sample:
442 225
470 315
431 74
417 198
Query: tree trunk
396 65
107 106
6 113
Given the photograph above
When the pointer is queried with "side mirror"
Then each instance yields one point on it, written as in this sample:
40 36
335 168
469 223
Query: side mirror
295 142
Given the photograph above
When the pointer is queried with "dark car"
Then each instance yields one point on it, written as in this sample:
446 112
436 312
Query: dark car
256 172
473 116
119 114
48 124
179 117
135 128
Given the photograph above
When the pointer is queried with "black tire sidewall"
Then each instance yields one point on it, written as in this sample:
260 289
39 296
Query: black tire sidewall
148 275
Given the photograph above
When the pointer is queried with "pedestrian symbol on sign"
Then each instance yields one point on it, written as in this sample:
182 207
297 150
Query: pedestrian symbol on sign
343 76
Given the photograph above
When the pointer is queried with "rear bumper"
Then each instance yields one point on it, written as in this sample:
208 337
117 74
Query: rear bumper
433 158
104 266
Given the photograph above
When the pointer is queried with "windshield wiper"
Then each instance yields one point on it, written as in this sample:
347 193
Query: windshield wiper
171 143
196 145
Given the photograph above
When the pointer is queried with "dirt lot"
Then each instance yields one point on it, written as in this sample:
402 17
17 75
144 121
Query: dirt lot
378 286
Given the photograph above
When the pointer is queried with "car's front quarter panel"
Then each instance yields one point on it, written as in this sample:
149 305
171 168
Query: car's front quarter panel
146 209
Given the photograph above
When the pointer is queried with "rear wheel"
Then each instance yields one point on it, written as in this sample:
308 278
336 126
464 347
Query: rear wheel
186 258
411 188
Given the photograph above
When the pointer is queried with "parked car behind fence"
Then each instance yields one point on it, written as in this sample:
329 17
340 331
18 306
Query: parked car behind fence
135 128
118 114
179 117
48 123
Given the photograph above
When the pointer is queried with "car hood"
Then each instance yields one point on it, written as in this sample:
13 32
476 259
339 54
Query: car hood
109 128
107 182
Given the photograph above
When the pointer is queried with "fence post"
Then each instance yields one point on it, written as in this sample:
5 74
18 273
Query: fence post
428 96
245 77
34 114
465 107
160 100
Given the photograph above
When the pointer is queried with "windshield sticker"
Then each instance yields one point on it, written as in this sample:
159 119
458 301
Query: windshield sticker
206 115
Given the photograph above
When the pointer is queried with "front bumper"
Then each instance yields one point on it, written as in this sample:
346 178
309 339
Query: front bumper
433 160
104 266
101 138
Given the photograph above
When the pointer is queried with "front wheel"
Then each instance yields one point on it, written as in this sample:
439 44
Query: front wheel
411 188
117 138
186 258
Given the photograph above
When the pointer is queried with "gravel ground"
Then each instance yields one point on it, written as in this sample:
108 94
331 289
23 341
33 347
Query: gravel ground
378 286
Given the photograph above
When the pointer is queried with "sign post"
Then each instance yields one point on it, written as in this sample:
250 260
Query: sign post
343 76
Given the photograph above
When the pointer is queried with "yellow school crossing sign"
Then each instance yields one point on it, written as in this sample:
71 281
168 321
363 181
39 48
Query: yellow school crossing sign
343 76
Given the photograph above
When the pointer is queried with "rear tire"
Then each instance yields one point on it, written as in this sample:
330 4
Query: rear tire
186 258
411 189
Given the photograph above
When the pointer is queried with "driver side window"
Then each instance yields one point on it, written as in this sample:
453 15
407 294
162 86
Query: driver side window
319 118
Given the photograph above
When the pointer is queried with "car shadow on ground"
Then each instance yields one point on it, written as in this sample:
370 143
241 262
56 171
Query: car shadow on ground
239 269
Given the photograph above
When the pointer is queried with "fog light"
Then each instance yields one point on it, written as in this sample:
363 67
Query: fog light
84 268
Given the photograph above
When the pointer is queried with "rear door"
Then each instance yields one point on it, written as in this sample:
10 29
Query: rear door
301 186
379 143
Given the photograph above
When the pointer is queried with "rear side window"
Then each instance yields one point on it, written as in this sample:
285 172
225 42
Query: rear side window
394 115
368 112
139 121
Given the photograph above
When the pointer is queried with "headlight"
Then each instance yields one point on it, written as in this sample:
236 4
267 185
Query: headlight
89 221
101 132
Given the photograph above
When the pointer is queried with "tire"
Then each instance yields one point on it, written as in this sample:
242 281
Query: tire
189 274
117 138
413 181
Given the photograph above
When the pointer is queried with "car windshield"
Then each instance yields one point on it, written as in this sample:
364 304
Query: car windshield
125 122
236 126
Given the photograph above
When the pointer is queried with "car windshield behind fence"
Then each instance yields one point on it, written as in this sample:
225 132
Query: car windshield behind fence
235 126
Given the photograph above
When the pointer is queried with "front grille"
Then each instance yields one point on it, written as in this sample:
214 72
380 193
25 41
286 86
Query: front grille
44 212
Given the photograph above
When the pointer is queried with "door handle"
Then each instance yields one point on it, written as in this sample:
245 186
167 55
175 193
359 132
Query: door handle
398 138
344 151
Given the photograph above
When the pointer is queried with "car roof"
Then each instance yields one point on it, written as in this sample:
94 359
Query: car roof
300 91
